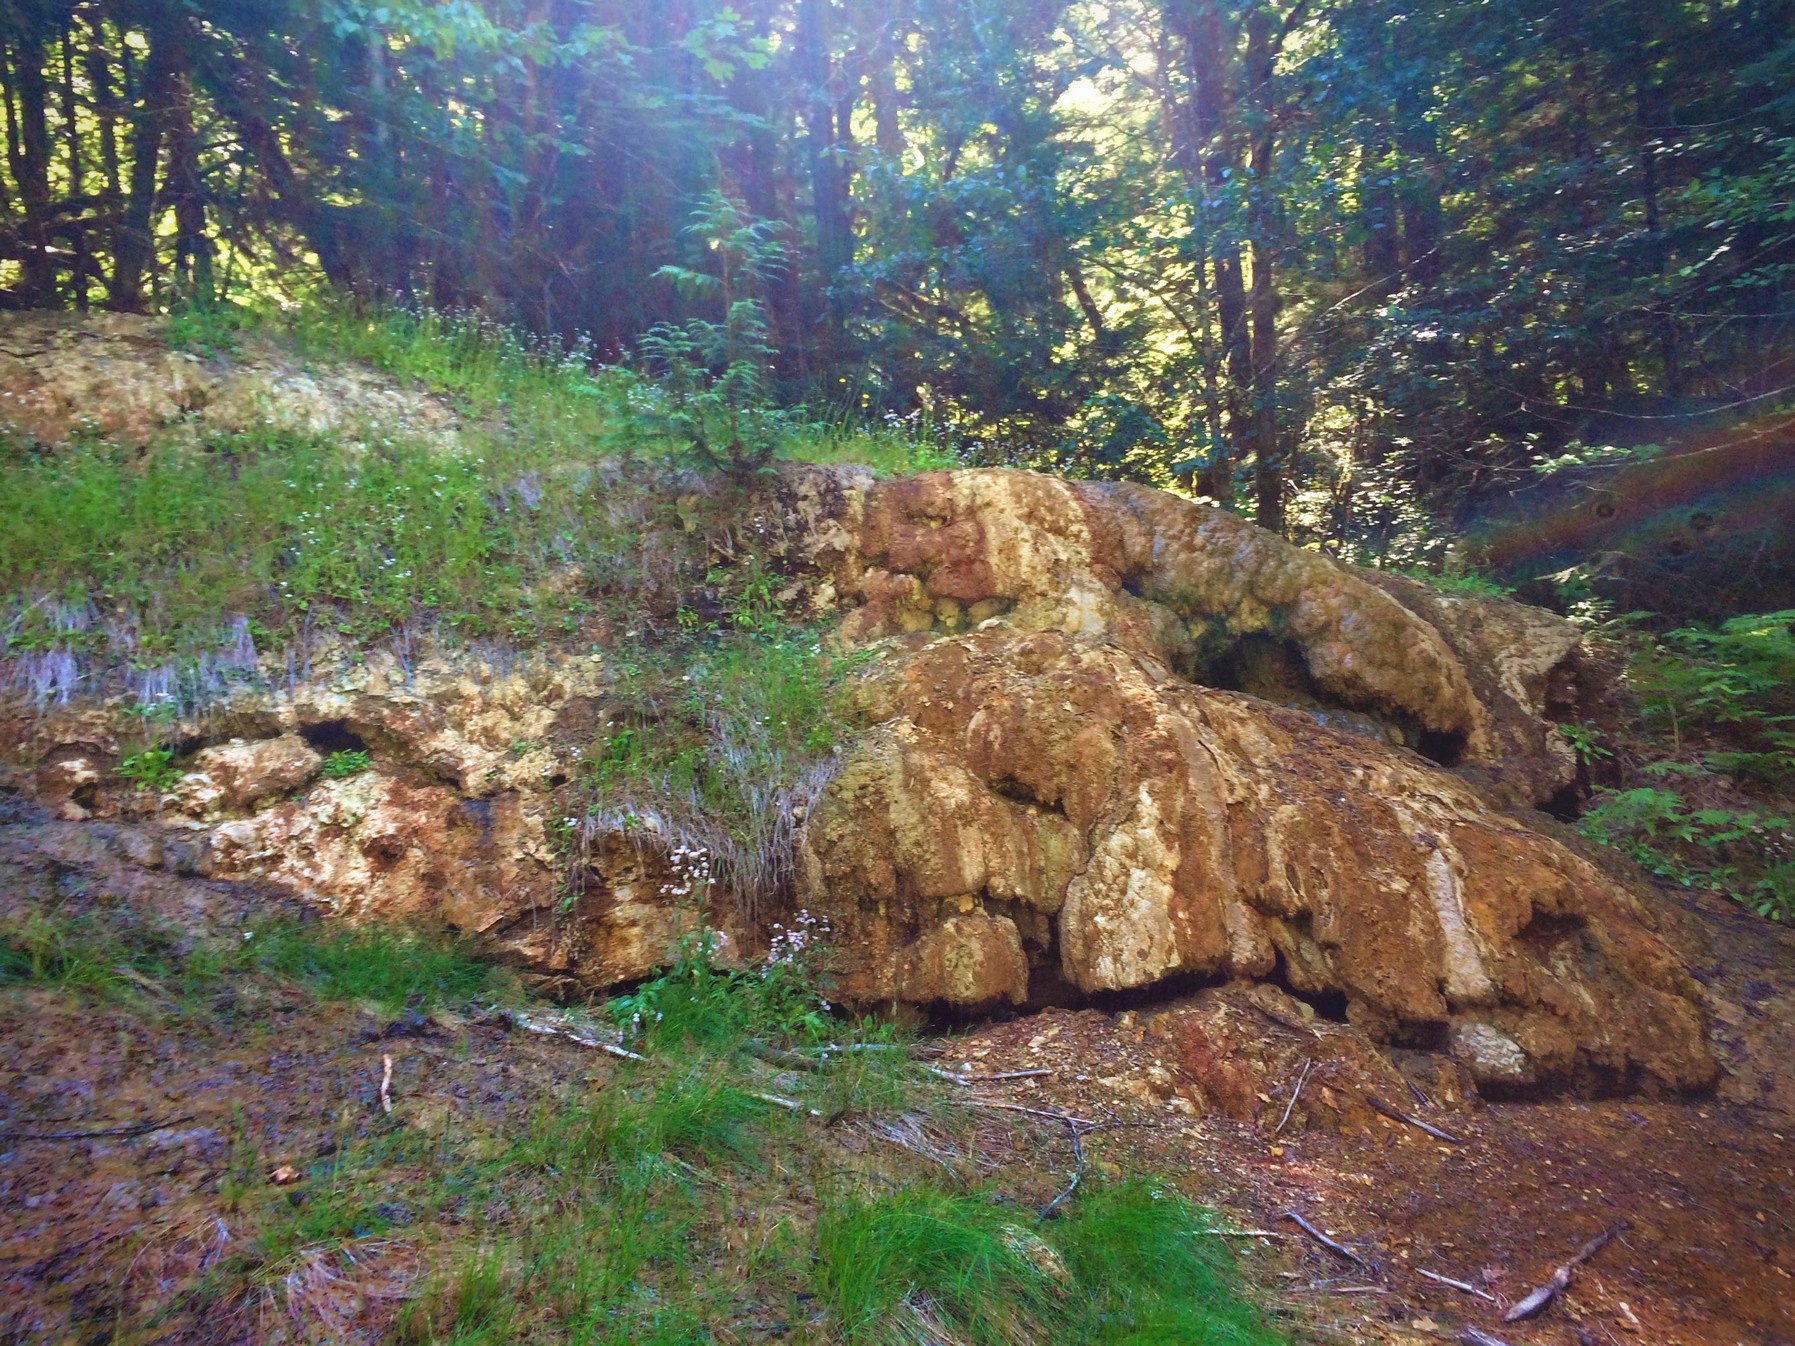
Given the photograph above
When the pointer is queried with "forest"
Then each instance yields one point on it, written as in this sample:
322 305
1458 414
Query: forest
897 672
1366 272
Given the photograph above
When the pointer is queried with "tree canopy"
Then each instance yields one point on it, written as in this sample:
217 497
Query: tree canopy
1288 255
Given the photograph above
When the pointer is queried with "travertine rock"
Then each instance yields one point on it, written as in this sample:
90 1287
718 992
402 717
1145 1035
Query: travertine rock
113 375
238 774
1134 828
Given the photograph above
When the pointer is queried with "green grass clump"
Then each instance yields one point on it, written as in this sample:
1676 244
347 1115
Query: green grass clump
1129 1263
128 957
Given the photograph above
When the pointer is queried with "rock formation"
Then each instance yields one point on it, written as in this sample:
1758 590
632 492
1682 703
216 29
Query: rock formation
1062 795
1116 743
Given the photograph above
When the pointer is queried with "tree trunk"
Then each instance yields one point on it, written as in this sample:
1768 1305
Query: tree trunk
1263 438
132 250
833 232
29 50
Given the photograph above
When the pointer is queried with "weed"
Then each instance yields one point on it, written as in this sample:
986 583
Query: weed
1585 741
345 763
117 955
1721 849
152 769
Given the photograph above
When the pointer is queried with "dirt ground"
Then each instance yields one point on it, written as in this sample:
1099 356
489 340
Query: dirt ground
122 1142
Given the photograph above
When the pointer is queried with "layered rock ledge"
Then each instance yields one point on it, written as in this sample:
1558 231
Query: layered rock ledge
1116 744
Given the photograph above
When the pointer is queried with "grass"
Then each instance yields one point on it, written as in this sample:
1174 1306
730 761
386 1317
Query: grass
1130 1263
662 1200
114 956
722 736
189 561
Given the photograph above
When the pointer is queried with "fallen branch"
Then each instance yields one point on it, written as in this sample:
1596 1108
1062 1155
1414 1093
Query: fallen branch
789 1104
1472 1336
1296 1093
1048 1113
1247 1233
1338 1249
779 1056
386 1084
135 1129
1414 1089
1378 1105
1466 1286
1561 1278
1005 1075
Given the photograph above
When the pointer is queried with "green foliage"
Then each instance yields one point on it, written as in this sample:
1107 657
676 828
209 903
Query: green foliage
152 769
1717 848
1129 1262
345 763
699 1001
118 955
724 734
1738 679
1586 742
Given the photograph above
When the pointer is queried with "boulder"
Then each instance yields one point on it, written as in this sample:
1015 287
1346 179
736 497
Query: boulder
238 774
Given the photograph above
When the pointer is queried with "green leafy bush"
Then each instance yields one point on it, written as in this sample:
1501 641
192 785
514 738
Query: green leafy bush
1721 849
346 762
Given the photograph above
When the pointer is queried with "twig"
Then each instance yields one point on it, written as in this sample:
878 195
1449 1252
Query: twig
790 1105
779 1056
1561 1278
1466 1286
1247 1233
1296 1093
1339 1249
1414 1089
1378 1105
135 1129
1048 1113
1004 1075
386 1084
1077 1168
1472 1336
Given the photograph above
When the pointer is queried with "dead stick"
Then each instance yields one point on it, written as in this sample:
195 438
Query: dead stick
386 1084
790 1105
1561 1278
1378 1105
1296 1093
1048 1113
1340 1249
1466 1286
1414 1089
1077 1169
136 1129
1472 1336
1005 1075
1246 1233
779 1056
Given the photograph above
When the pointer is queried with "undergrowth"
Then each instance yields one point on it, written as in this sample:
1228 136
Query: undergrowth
1697 782
111 957
728 1185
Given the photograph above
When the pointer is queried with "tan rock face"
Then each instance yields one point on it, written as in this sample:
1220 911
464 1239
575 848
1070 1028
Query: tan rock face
238 774
112 375
1133 827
